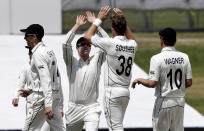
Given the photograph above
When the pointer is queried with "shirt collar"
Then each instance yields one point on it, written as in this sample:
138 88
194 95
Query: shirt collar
121 37
36 47
169 48
84 62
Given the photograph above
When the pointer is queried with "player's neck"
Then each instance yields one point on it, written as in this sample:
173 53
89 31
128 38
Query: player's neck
35 43
84 58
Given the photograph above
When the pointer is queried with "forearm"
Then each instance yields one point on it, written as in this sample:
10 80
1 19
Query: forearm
129 34
69 38
91 31
75 28
102 32
67 47
148 83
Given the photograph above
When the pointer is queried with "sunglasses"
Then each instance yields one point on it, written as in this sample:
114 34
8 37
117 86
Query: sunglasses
26 35
85 44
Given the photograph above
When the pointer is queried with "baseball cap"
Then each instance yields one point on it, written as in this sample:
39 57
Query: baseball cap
34 29
82 40
168 34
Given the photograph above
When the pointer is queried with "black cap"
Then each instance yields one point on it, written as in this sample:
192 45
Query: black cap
82 39
29 48
34 29
169 35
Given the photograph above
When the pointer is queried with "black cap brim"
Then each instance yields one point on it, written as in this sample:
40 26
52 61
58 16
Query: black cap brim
28 47
23 30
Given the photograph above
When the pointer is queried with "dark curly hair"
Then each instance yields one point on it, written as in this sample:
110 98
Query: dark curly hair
169 36
119 24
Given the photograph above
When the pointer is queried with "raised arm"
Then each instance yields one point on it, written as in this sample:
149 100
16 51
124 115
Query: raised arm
91 18
67 47
128 32
102 15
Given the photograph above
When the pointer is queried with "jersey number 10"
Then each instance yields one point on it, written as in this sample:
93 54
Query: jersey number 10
177 72
127 69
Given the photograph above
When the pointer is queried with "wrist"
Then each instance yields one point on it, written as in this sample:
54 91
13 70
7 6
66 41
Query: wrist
97 22
77 25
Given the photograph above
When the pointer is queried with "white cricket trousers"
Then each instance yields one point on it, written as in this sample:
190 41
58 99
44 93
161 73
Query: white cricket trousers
45 126
79 115
36 117
168 115
114 109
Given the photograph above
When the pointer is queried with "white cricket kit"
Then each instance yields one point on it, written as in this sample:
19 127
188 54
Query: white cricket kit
47 90
170 69
83 108
24 81
120 54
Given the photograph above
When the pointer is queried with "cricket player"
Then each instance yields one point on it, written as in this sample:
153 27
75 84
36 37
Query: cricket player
83 75
47 92
24 82
170 74
120 53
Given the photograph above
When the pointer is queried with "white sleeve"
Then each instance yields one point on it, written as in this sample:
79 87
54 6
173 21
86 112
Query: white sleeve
61 93
67 47
21 82
45 80
102 33
188 71
102 43
154 70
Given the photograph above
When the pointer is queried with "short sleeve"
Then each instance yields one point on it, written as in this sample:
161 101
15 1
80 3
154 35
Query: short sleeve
154 70
188 70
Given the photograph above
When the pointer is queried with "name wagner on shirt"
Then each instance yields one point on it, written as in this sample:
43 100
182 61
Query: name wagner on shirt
178 60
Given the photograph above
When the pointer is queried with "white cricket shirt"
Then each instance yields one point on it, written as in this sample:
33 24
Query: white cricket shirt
120 54
45 72
170 68
83 75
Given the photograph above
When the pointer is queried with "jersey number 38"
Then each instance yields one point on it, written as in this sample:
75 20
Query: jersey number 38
127 68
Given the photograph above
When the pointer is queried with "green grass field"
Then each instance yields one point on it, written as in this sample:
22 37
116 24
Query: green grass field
190 43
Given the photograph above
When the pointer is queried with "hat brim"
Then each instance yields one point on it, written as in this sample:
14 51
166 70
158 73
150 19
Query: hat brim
28 47
23 30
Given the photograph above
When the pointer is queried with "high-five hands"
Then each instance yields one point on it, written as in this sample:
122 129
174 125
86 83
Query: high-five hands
90 17
81 20
104 12
118 11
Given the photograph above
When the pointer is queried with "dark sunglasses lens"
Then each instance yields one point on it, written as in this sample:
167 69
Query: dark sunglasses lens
26 35
85 43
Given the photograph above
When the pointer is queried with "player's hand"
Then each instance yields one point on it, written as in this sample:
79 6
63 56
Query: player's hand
81 20
24 93
104 12
90 17
136 81
62 113
15 102
49 113
118 11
